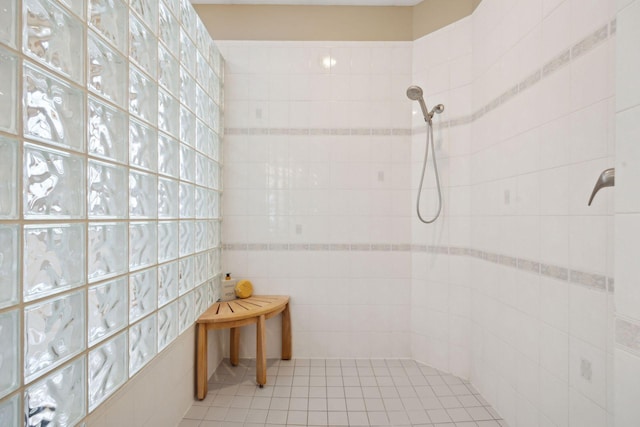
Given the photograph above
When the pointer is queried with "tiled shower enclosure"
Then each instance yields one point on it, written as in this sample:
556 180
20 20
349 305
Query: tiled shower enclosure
110 122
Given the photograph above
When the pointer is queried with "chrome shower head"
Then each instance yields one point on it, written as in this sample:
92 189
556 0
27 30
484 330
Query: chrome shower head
414 93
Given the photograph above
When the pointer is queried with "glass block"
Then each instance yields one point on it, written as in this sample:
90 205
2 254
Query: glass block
8 178
59 399
54 37
9 352
105 185
201 170
215 261
185 281
200 300
173 5
167 198
214 116
200 202
188 17
168 155
168 71
8 89
187 53
143 146
201 235
202 39
200 269
168 113
187 163
202 134
107 256
167 283
9 258
202 103
168 243
187 127
107 131
202 72
147 10
187 238
109 18
143 96
187 118
214 204
215 59
143 296
142 245
8 23
214 176
187 88
107 369
50 183
76 6
214 88
143 46
107 71
54 259
53 110
187 201
213 234
169 30
213 109
107 309
167 325
142 343
185 311
10 415
143 200
54 332
214 290
216 147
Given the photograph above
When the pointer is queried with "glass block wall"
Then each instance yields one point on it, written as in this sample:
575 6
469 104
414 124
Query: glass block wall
110 166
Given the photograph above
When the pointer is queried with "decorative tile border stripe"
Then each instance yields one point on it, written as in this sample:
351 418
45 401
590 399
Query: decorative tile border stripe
589 280
628 335
580 48
565 57
320 131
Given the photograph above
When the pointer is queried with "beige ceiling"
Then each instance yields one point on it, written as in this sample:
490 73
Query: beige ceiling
310 22
315 2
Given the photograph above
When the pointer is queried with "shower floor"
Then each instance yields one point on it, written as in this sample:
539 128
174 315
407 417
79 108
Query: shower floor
361 392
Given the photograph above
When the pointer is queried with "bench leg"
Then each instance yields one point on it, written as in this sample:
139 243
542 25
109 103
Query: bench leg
286 333
261 354
201 361
234 344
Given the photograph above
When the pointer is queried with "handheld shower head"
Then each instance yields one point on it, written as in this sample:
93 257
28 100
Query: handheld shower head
414 93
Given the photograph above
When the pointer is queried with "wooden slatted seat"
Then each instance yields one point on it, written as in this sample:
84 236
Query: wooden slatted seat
233 315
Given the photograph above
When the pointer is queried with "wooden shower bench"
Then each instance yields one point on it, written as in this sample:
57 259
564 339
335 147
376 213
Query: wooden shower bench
233 315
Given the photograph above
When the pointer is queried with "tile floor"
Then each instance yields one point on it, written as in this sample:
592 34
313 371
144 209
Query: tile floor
318 392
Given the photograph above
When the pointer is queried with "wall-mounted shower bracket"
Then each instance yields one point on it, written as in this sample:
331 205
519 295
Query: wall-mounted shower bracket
606 179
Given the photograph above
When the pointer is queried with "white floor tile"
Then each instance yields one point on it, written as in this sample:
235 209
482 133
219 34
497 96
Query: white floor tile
340 393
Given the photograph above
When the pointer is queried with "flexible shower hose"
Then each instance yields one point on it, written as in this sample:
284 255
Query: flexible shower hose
435 169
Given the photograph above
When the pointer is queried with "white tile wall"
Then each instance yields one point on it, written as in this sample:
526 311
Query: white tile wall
313 177
528 171
627 220
516 180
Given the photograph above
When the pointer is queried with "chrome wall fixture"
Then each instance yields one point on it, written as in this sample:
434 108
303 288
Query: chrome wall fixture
606 179
415 94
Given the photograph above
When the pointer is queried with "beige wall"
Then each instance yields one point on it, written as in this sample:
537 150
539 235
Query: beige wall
331 23
163 391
